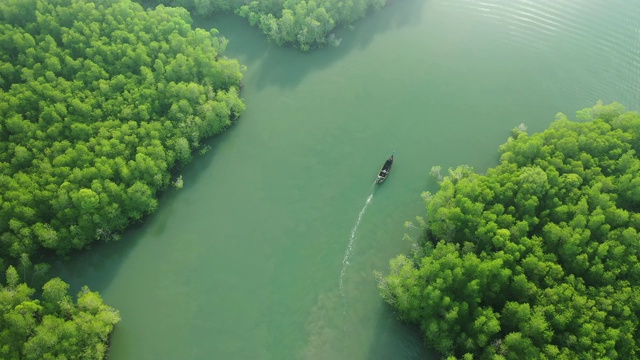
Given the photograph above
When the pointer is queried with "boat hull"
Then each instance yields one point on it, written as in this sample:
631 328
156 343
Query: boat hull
385 170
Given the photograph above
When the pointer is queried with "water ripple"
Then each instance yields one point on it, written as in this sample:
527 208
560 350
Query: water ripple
577 32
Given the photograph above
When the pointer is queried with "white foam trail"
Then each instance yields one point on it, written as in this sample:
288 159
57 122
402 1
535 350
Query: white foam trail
347 253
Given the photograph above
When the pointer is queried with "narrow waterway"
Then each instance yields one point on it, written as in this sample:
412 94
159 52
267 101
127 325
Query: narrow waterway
268 251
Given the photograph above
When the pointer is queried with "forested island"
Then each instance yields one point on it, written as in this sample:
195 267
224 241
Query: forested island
537 258
301 23
100 101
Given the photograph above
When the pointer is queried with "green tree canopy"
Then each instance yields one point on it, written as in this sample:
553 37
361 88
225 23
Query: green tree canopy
302 23
54 327
538 258
100 100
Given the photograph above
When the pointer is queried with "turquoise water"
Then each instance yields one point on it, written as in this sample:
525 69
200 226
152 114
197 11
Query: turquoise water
268 252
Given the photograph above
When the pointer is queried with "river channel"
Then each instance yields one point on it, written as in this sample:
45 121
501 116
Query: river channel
269 250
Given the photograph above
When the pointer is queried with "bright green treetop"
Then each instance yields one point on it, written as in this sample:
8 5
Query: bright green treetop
55 327
538 258
304 24
100 100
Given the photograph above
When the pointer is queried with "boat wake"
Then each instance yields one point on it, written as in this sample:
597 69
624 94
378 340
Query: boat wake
347 253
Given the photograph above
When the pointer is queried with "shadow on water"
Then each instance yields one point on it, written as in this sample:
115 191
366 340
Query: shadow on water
286 67
397 340
274 65
101 261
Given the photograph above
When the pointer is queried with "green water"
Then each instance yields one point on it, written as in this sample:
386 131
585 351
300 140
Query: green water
259 256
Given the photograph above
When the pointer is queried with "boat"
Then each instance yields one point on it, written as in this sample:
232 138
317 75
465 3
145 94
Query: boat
385 170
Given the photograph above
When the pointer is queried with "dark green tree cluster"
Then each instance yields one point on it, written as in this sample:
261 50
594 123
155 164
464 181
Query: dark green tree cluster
303 23
538 258
54 327
99 101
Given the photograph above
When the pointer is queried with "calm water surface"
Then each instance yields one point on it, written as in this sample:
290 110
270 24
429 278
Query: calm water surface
269 250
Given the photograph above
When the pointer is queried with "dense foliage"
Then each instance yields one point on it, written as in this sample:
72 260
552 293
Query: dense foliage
302 23
54 327
98 102
539 257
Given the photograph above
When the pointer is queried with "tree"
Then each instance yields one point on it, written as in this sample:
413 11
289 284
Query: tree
54 327
305 24
529 260
98 94
88 140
